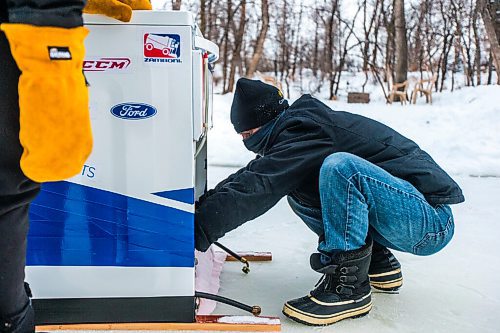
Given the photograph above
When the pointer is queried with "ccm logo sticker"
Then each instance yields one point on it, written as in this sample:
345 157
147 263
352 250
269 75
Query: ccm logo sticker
133 111
164 48
59 53
106 64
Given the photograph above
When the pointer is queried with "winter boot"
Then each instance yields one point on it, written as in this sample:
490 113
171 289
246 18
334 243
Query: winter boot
385 270
343 291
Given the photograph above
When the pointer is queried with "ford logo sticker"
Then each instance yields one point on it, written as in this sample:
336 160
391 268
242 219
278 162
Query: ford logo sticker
133 111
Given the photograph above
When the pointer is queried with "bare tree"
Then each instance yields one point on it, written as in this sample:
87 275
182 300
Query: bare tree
447 43
259 45
315 57
490 69
477 42
389 24
401 42
488 15
370 24
203 16
296 49
176 4
315 43
346 34
238 41
226 45
330 45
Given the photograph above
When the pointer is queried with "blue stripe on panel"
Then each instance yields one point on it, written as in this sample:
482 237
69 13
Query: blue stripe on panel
184 195
77 225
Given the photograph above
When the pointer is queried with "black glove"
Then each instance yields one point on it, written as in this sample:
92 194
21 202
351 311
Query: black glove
201 241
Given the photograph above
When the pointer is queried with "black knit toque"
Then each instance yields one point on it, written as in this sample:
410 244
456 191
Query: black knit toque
255 104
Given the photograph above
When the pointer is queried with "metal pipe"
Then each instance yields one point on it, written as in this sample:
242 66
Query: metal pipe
246 268
255 310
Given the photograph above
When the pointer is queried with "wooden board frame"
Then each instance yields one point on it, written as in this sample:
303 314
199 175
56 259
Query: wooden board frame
203 323
252 256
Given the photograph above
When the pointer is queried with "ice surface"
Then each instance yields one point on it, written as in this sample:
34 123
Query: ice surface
456 290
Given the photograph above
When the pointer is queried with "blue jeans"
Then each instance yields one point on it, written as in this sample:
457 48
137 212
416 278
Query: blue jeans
358 197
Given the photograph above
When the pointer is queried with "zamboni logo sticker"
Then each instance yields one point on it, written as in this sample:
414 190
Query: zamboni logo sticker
164 48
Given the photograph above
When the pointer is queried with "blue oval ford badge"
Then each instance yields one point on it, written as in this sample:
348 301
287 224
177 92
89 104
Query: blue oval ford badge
133 111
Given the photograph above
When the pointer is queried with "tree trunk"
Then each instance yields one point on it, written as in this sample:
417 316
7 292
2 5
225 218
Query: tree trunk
203 17
209 22
176 4
238 41
448 39
446 52
283 48
401 42
490 69
330 47
259 46
389 47
492 36
296 50
477 42
225 54
315 61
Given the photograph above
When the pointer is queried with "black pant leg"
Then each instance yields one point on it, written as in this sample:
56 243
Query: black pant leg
16 193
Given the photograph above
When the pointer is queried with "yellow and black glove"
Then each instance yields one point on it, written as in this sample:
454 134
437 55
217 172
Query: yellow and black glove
118 9
54 118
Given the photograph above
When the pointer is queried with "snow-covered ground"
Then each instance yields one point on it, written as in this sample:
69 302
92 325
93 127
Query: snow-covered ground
456 290
461 130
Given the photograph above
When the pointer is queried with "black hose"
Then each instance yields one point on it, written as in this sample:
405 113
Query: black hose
255 310
246 268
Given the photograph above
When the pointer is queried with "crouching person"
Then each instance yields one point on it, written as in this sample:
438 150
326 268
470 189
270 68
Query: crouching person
362 187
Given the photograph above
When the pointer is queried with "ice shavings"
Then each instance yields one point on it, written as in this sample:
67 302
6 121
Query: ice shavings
248 320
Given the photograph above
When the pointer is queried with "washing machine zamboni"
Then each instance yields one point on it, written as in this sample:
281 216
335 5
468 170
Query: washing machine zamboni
116 243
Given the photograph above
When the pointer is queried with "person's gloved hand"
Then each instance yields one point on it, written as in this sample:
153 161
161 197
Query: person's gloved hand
201 241
53 100
118 9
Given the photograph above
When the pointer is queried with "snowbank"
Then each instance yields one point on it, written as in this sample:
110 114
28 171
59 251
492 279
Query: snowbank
461 130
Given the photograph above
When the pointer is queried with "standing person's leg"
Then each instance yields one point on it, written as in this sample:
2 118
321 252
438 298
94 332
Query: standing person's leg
360 199
16 192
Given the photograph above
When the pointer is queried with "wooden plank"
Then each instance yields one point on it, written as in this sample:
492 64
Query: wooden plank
252 256
356 97
203 323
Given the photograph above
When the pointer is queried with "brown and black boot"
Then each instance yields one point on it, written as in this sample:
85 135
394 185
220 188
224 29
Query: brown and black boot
343 291
385 270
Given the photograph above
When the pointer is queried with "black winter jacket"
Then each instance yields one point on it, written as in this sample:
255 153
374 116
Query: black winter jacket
303 137
56 13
